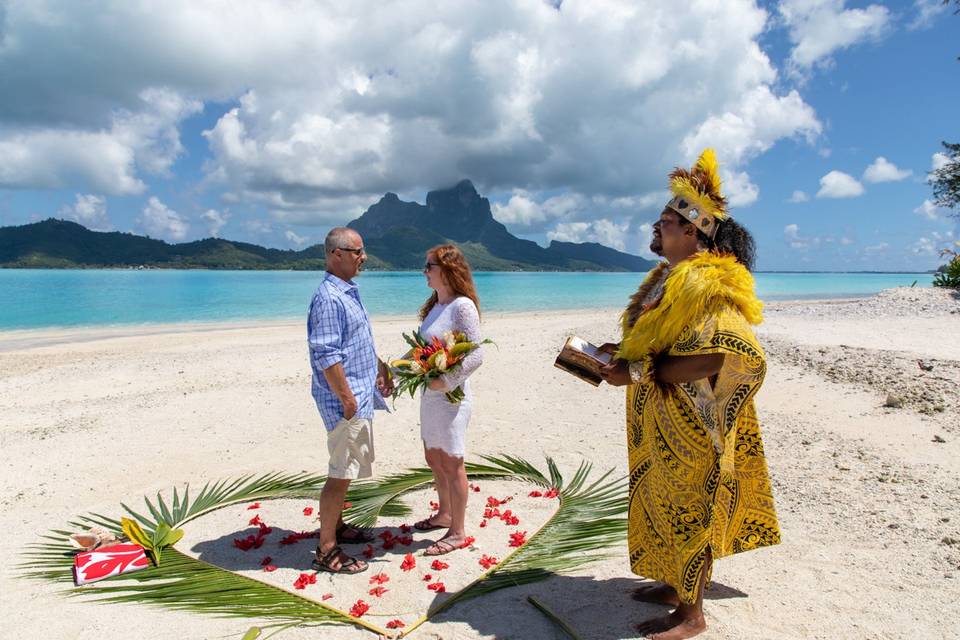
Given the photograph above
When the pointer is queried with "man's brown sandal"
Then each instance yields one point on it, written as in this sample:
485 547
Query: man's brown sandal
348 565
348 534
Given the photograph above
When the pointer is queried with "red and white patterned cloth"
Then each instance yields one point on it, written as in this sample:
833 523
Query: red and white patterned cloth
117 559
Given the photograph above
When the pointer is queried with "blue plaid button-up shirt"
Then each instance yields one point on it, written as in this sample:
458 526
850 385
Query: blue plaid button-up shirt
338 330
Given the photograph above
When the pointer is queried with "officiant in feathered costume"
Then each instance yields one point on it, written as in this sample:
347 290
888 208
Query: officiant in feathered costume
699 488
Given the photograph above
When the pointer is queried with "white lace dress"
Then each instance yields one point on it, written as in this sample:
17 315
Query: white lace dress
443 425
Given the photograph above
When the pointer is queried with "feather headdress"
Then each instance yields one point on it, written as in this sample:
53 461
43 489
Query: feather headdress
697 195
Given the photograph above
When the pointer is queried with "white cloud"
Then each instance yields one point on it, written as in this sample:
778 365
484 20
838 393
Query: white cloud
876 248
160 221
930 211
215 220
523 210
932 245
294 239
838 184
939 160
882 170
108 160
604 231
798 196
791 234
927 11
90 210
818 28
739 190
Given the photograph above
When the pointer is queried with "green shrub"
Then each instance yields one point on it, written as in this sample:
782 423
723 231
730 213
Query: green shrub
949 274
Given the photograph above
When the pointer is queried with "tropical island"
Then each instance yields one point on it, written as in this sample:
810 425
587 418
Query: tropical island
396 234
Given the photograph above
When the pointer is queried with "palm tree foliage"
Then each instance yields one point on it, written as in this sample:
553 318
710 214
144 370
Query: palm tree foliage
589 519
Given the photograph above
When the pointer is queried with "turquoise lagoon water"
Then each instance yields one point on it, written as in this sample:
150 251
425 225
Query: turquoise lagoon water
31 299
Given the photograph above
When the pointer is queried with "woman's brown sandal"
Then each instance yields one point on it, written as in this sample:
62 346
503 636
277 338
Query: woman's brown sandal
348 564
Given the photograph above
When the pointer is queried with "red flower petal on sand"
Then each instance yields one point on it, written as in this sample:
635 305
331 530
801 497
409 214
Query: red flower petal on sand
518 538
553 493
359 608
408 562
304 580
308 511
427 578
255 521
434 506
378 591
269 568
266 560
368 552
385 535
439 565
405 528
326 596
404 540
380 578
469 540
535 494
389 544
255 505
437 586
493 502
488 561
395 624
294 538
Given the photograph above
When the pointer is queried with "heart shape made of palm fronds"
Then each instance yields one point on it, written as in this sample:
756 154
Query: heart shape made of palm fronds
589 519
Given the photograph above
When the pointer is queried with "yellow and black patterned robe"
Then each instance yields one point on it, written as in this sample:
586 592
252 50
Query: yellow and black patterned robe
698 476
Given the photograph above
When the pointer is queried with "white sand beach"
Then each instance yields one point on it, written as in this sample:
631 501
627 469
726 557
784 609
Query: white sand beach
868 495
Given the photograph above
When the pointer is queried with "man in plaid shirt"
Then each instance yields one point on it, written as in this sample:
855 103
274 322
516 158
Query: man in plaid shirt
349 382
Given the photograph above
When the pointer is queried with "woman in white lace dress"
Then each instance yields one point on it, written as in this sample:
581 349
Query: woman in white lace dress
453 306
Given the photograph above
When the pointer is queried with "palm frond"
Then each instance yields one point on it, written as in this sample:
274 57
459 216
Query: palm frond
590 518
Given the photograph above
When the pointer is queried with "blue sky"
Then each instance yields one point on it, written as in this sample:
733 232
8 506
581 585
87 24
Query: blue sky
270 123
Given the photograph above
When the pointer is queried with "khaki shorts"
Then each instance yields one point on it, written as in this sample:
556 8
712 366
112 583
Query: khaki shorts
350 445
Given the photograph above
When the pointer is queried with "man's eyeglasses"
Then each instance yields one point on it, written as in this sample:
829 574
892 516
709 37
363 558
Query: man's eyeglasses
429 265
359 251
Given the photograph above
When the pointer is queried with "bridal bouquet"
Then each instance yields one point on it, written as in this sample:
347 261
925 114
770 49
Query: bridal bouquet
429 360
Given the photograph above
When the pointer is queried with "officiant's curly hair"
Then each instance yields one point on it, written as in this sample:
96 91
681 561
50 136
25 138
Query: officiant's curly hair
456 275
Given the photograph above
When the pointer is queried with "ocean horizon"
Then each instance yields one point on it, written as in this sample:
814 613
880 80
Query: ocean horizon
64 298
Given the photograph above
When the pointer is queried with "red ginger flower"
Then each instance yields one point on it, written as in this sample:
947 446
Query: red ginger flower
408 562
359 608
395 624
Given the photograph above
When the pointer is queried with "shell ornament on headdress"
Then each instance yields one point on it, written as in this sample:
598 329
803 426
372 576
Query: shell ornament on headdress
697 194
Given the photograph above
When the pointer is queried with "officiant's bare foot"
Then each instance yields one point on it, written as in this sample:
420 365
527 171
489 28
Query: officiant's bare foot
656 593
675 626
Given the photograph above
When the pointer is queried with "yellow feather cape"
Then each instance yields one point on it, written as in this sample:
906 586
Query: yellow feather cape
701 285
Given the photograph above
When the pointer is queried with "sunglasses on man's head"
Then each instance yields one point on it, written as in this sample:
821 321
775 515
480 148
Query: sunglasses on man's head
356 251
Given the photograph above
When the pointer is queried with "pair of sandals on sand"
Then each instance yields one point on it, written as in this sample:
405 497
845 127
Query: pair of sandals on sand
348 534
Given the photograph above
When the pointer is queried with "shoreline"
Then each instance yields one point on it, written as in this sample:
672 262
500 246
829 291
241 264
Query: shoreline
24 338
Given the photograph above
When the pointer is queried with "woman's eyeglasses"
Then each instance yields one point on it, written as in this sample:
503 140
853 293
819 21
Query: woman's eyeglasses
429 265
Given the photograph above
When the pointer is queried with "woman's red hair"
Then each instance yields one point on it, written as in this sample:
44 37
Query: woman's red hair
456 274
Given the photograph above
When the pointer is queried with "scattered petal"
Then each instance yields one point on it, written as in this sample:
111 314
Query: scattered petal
535 494
469 540
553 493
439 565
518 538
488 561
294 538
405 528
326 596
434 506
368 552
378 591
347 504
255 521
255 505
395 624
380 578
308 511
436 586
483 523
269 568
359 608
266 560
408 562
427 578
304 580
